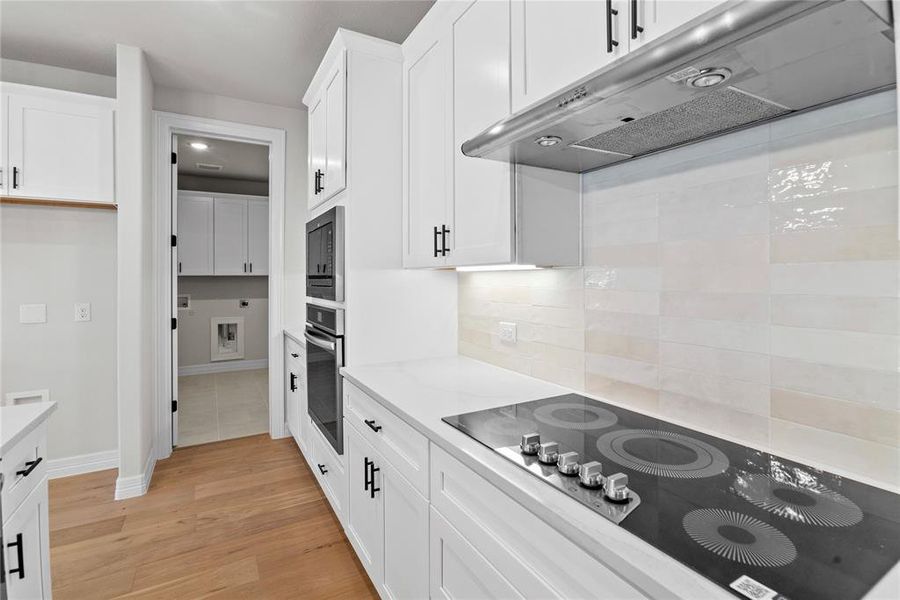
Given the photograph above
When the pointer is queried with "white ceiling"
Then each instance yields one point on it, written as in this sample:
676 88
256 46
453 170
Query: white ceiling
238 160
262 51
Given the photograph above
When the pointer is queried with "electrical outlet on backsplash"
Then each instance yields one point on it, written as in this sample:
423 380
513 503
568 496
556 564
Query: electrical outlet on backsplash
747 285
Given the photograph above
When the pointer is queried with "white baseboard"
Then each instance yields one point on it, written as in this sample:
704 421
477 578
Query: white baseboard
222 367
136 485
83 463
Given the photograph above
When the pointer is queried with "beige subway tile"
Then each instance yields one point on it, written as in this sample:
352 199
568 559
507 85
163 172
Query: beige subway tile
558 317
636 397
851 278
602 208
738 190
623 301
480 338
858 243
844 348
645 326
747 308
713 223
622 278
872 315
558 297
830 450
746 337
835 210
830 142
750 250
565 337
739 395
717 362
628 255
849 418
860 385
860 172
570 378
646 350
631 371
715 418
638 231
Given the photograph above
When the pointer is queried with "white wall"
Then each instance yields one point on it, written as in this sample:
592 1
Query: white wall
136 291
60 256
293 122
17 71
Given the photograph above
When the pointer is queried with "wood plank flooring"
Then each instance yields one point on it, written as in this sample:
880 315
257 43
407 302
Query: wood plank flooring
241 518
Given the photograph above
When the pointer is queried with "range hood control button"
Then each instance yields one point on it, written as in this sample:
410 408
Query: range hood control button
530 444
567 463
548 453
590 475
617 488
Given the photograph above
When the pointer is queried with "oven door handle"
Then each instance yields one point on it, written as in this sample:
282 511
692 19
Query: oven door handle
320 342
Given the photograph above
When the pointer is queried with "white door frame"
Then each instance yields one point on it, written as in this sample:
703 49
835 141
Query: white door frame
166 124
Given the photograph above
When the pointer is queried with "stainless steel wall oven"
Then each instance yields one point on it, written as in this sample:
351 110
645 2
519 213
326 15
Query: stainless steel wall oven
324 359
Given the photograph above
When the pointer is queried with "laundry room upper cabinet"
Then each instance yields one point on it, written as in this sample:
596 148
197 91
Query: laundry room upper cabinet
57 145
327 131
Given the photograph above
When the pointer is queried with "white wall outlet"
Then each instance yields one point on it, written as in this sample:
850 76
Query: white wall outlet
507 332
32 313
83 311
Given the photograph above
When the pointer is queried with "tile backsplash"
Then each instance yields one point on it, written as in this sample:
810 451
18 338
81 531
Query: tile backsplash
748 285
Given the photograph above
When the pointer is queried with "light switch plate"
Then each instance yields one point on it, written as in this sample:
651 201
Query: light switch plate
507 332
83 311
32 313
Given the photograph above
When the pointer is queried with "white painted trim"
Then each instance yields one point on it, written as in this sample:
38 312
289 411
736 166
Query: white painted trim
137 485
83 463
223 367
166 124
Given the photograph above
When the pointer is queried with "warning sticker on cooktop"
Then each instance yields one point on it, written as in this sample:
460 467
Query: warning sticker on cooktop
754 590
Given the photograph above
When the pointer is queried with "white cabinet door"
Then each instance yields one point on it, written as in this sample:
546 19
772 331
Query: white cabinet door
649 19
60 148
427 151
195 234
317 164
482 223
458 570
557 42
258 237
27 538
365 509
230 236
405 537
291 396
335 129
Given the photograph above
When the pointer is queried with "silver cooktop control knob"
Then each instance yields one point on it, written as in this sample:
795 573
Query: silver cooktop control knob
617 487
567 463
530 444
590 475
548 452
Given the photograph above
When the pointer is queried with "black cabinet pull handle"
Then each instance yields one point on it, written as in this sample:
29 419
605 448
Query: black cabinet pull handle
635 28
30 466
245 267
322 469
20 553
295 355
251 267
318 187
366 463
293 382
15 177
436 234
179 266
373 469
444 248
610 13
372 425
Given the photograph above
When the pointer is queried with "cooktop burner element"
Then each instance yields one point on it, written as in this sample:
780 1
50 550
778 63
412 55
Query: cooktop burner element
662 453
812 505
740 538
575 415
745 519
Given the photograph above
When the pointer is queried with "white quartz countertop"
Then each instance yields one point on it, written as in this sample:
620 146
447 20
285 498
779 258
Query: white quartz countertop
18 421
422 392
295 334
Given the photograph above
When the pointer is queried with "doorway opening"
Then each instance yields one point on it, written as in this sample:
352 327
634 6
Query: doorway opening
221 217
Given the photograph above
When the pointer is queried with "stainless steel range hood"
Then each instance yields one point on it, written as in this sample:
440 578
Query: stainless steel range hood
765 59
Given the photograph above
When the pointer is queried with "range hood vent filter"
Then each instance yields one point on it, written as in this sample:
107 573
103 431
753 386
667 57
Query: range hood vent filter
715 112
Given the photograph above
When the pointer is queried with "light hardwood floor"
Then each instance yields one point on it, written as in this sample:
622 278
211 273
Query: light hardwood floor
242 518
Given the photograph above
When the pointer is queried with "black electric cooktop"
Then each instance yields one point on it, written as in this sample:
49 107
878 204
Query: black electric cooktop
759 525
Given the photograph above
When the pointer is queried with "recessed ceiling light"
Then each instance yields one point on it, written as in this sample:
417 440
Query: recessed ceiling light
199 146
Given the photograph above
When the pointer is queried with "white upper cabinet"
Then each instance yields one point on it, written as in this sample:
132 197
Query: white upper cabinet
482 211
557 42
230 236
328 134
650 19
258 237
195 234
59 145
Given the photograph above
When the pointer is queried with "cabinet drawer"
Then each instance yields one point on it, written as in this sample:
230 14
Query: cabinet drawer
333 480
22 458
404 447
295 358
501 530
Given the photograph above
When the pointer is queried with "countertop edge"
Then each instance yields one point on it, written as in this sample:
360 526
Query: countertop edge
295 335
46 409
622 555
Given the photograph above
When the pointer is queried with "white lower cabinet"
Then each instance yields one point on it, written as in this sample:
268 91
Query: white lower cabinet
27 537
295 390
387 521
329 470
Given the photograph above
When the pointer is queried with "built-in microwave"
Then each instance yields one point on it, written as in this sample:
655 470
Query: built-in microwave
325 255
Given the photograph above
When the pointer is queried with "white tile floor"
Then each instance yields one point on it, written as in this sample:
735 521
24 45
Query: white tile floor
221 406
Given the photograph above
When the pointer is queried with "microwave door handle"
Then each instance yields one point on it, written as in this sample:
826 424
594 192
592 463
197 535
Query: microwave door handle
321 343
